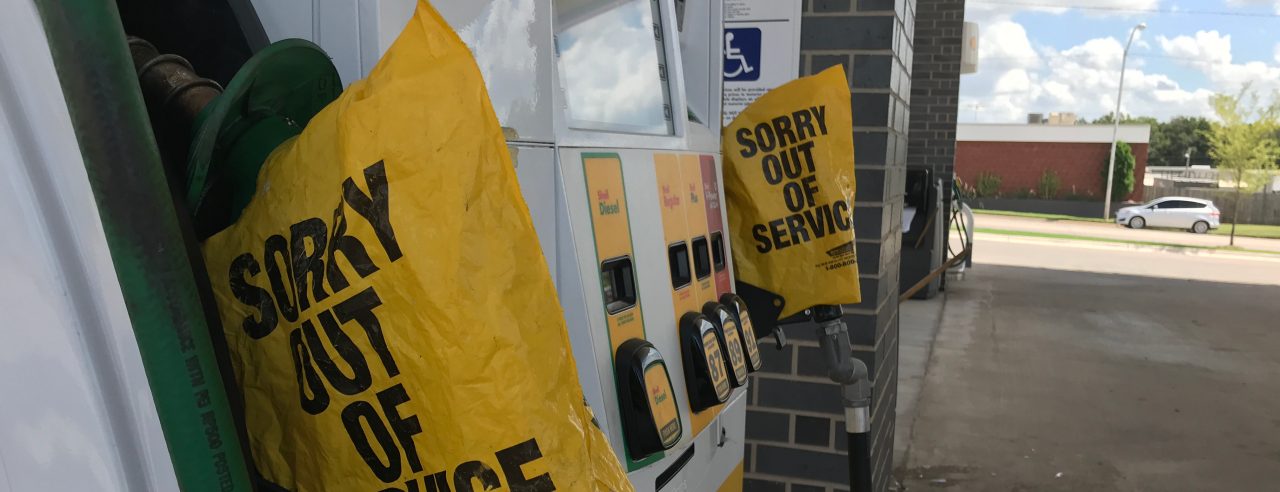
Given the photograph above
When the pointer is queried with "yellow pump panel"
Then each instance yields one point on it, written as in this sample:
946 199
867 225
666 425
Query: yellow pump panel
612 231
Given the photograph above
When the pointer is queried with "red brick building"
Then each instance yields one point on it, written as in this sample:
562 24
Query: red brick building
1019 154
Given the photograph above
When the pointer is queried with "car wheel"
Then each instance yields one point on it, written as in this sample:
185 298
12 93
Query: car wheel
1137 223
1200 227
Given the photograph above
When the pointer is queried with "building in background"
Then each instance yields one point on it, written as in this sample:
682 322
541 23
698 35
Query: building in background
1056 118
1019 156
1062 119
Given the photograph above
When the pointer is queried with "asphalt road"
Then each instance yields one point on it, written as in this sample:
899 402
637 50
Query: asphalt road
1113 231
1059 367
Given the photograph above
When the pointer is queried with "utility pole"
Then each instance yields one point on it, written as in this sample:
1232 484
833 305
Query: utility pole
1115 127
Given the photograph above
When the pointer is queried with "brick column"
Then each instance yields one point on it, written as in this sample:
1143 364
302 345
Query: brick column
936 91
795 421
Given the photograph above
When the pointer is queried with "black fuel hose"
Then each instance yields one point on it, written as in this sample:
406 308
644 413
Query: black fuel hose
859 462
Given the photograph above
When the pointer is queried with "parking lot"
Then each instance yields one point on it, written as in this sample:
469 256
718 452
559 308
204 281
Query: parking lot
1073 365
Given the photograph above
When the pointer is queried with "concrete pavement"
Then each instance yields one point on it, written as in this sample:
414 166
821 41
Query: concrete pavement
919 323
1125 259
1113 231
1061 367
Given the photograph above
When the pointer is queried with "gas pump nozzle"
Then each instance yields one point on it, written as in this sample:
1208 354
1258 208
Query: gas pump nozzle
850 373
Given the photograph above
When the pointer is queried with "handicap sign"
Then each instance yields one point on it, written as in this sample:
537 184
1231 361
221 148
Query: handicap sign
742 54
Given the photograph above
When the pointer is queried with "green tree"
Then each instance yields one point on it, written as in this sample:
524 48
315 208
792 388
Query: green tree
1244 140
1125 119
1170 141
1122 181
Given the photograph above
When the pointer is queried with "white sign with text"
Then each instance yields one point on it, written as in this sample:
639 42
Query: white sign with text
761 50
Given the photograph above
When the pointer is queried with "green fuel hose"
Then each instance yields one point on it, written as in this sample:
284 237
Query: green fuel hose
146 241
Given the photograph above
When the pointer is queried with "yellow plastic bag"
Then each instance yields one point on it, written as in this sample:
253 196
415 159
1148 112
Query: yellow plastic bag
789 184
390 317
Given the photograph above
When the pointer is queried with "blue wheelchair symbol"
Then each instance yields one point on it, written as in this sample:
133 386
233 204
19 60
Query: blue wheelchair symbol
742 54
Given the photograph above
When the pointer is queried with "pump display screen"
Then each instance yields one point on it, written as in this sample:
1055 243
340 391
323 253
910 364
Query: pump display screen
717 251
662 403
678 256
701 258
617 283
613 65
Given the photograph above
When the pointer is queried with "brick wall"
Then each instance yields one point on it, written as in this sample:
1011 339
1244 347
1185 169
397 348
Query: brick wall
935 95
795 423
1020 164
935 90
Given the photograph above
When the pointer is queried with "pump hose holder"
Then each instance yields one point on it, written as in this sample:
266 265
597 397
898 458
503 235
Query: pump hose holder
270 100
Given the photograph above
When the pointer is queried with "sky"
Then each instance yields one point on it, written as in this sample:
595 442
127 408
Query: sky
1043 56
609 65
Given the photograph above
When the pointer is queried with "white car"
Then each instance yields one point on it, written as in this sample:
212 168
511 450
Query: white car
1178 212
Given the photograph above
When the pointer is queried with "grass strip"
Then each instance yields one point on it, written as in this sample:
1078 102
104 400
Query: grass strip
1033 215
1250 230
1242 230
1071 237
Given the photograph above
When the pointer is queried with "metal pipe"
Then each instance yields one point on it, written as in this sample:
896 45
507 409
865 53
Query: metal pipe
170 84
855 390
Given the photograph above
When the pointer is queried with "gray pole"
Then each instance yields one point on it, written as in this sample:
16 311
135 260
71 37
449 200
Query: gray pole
1115 125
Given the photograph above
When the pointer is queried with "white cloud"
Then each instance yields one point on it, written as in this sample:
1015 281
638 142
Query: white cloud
1097 53
506 56
1016 76
609 65
1205 46
1210 53
1082 79
1007 41
985 13
1276 54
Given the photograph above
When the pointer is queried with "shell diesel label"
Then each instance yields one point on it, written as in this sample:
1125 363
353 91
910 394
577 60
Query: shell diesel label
390 319
789 184
612 230
645 436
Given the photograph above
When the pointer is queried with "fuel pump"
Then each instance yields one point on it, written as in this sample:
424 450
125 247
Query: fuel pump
662 341
624 185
